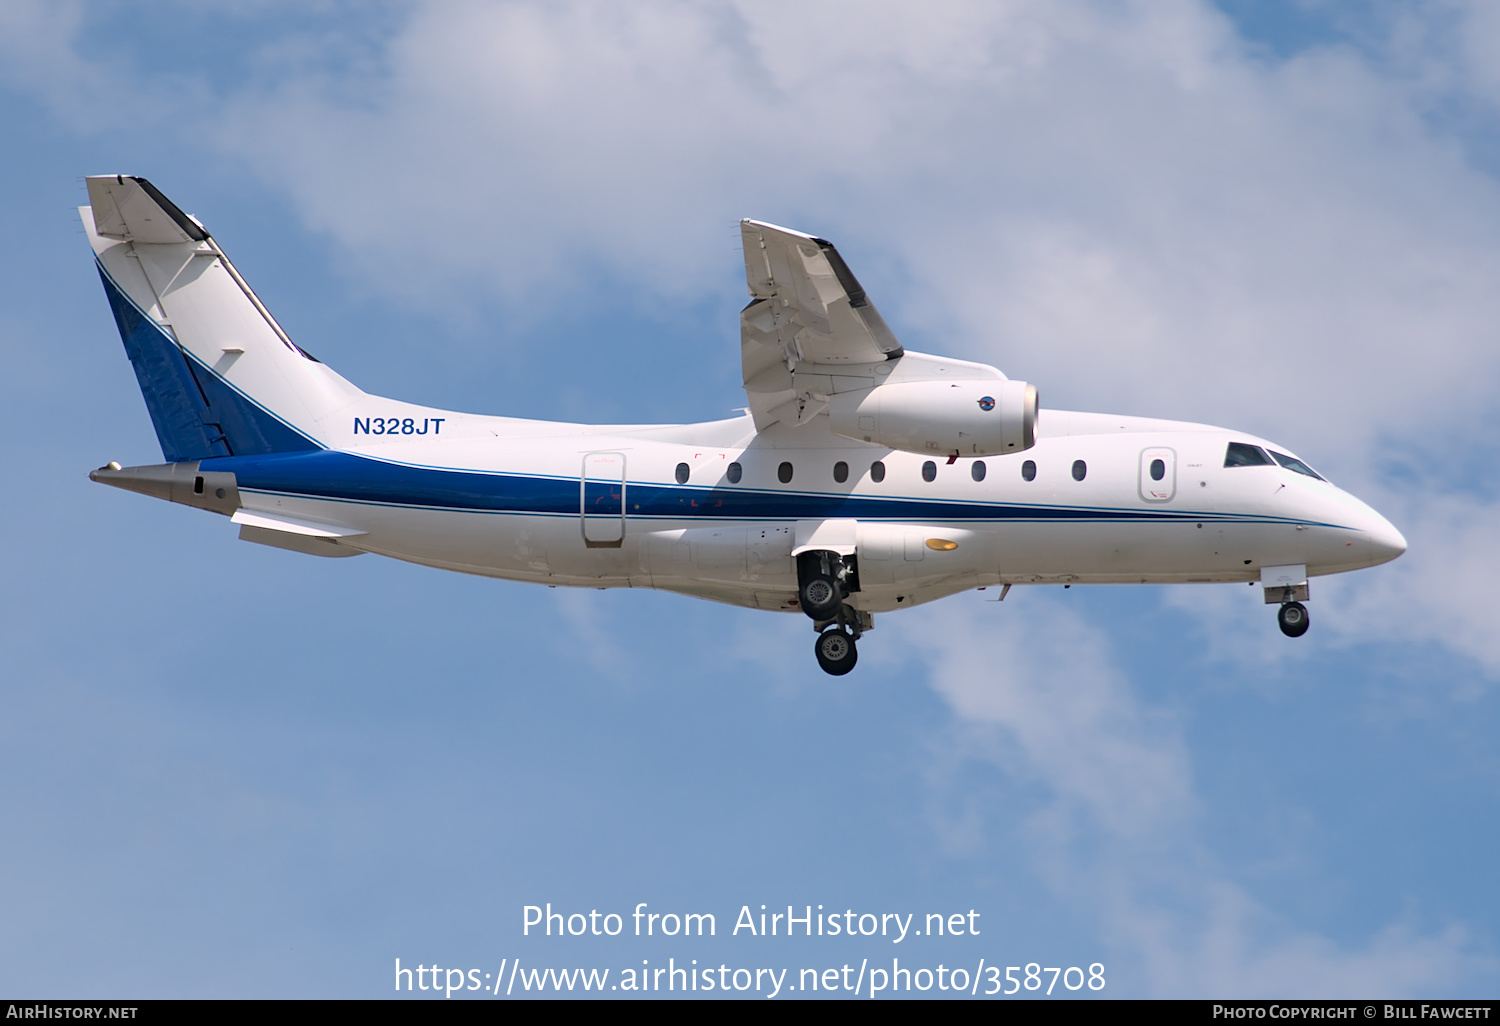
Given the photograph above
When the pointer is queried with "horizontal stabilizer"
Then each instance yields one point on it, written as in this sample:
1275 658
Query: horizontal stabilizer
130 208
176 482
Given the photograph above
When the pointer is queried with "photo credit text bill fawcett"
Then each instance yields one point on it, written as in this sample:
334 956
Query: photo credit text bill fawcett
869 978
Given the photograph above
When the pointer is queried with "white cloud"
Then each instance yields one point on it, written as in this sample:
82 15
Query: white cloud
1034 690
1443 589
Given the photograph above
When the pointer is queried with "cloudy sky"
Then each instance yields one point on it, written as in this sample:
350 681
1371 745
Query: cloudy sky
231 770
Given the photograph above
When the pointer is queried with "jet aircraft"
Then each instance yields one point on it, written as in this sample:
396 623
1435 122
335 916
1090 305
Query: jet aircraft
862 478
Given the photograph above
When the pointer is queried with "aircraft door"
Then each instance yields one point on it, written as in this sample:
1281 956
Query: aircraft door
1158 475
601 500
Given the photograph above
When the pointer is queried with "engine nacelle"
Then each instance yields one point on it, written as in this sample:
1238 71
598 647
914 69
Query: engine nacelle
970 418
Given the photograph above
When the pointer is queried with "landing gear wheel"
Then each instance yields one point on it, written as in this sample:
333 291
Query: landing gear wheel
1292 618
821 597
835 651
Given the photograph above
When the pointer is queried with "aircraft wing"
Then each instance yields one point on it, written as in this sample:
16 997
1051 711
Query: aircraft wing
807 316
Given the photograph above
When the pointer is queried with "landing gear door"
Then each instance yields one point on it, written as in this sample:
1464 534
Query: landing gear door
1158 474
601 500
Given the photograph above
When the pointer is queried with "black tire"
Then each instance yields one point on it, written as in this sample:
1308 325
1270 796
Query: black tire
1292 619
835 651
821 597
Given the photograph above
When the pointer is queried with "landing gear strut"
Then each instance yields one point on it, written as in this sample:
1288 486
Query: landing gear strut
824 581
1293 620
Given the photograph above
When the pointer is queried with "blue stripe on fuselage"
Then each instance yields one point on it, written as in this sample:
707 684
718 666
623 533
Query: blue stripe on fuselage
348 477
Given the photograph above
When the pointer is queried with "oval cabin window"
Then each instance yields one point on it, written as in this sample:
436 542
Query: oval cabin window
1080 470
784 473
1028 471
877 472
682 473
841 471
929 471
1158 470
734 473
977 470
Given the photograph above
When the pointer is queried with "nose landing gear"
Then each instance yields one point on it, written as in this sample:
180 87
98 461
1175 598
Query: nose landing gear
1292 619
1288 586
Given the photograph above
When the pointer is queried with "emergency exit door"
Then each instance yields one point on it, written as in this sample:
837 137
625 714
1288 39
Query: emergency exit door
601 499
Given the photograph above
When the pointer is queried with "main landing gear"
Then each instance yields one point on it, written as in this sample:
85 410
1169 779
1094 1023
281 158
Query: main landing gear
835 651
824 581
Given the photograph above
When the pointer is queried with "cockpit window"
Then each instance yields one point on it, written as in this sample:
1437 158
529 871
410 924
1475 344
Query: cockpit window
1242 455
1292 463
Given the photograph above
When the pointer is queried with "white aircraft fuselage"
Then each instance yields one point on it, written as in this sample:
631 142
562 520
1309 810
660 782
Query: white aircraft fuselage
962 485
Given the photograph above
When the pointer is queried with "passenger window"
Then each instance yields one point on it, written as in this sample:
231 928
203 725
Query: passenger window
929 471
734 473
1028 471
1080 470
1241 455
1158 469
784 473
682 473
877 472
841 471
976 470
1292 463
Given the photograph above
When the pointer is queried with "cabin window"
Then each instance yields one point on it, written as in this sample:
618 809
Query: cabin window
1028 471
784 473
682 473
929 471
877 472
976 470
1241 455
1080 470
1158 469
734 473
841 471
1292 463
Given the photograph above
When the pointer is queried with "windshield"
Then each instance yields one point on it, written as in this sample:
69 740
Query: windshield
1292 463
1242 455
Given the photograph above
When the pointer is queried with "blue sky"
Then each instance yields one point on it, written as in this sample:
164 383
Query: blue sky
237 771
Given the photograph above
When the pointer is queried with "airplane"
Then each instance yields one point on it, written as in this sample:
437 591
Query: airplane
862 478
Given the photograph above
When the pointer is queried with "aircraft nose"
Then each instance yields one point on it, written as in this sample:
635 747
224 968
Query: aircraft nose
1385 542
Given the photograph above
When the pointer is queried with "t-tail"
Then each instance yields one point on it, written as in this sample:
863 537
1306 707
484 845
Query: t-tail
220 377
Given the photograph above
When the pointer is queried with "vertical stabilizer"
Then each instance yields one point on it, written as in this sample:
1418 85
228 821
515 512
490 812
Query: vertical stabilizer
219 375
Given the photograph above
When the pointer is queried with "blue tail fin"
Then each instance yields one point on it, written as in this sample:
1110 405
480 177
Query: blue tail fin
219 376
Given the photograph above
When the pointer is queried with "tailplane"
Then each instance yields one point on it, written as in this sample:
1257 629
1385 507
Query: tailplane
219 375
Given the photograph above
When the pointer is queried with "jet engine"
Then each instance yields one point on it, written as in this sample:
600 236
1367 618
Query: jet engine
967 418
